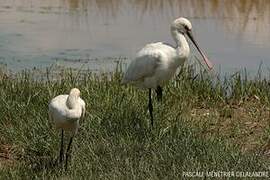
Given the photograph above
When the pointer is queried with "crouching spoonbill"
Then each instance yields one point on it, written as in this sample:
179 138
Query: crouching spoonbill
156 63
65 111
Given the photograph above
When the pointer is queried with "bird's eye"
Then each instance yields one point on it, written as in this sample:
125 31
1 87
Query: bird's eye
186 27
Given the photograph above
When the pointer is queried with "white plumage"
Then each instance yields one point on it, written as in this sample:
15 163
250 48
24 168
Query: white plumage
65 111
65 117
156 63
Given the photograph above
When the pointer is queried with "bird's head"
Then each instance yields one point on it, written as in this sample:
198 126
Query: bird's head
183 26
75 92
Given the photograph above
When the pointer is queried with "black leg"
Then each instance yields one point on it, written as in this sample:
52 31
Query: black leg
68 153
159 93
150 106
61 156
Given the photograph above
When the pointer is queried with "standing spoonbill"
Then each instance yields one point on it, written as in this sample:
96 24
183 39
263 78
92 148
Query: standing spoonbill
156 63
65 111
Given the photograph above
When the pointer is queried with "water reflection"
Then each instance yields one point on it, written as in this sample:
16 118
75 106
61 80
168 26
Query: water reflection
235 15
250 17
234 33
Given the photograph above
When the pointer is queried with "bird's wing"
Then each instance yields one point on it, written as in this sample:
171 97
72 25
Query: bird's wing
83 107
58 105
144 65
141 67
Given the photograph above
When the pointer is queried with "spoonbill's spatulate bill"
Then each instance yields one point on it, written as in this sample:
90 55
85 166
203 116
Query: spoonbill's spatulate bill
65 111
156 63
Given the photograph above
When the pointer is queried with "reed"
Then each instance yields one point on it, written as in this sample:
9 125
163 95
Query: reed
204 123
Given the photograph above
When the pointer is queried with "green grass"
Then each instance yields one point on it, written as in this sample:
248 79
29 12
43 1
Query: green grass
203 124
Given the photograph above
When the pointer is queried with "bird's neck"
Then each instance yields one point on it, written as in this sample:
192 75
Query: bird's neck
182 44
73 105
72 102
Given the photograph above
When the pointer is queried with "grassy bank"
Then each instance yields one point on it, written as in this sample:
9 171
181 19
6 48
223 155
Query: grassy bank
203 124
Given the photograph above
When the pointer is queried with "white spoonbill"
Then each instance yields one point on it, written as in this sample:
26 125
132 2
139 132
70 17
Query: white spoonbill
65 111
156 63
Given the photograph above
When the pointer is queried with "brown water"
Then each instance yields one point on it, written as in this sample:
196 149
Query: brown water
95 33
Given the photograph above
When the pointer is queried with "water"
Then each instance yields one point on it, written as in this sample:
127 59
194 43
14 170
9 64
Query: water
94 34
